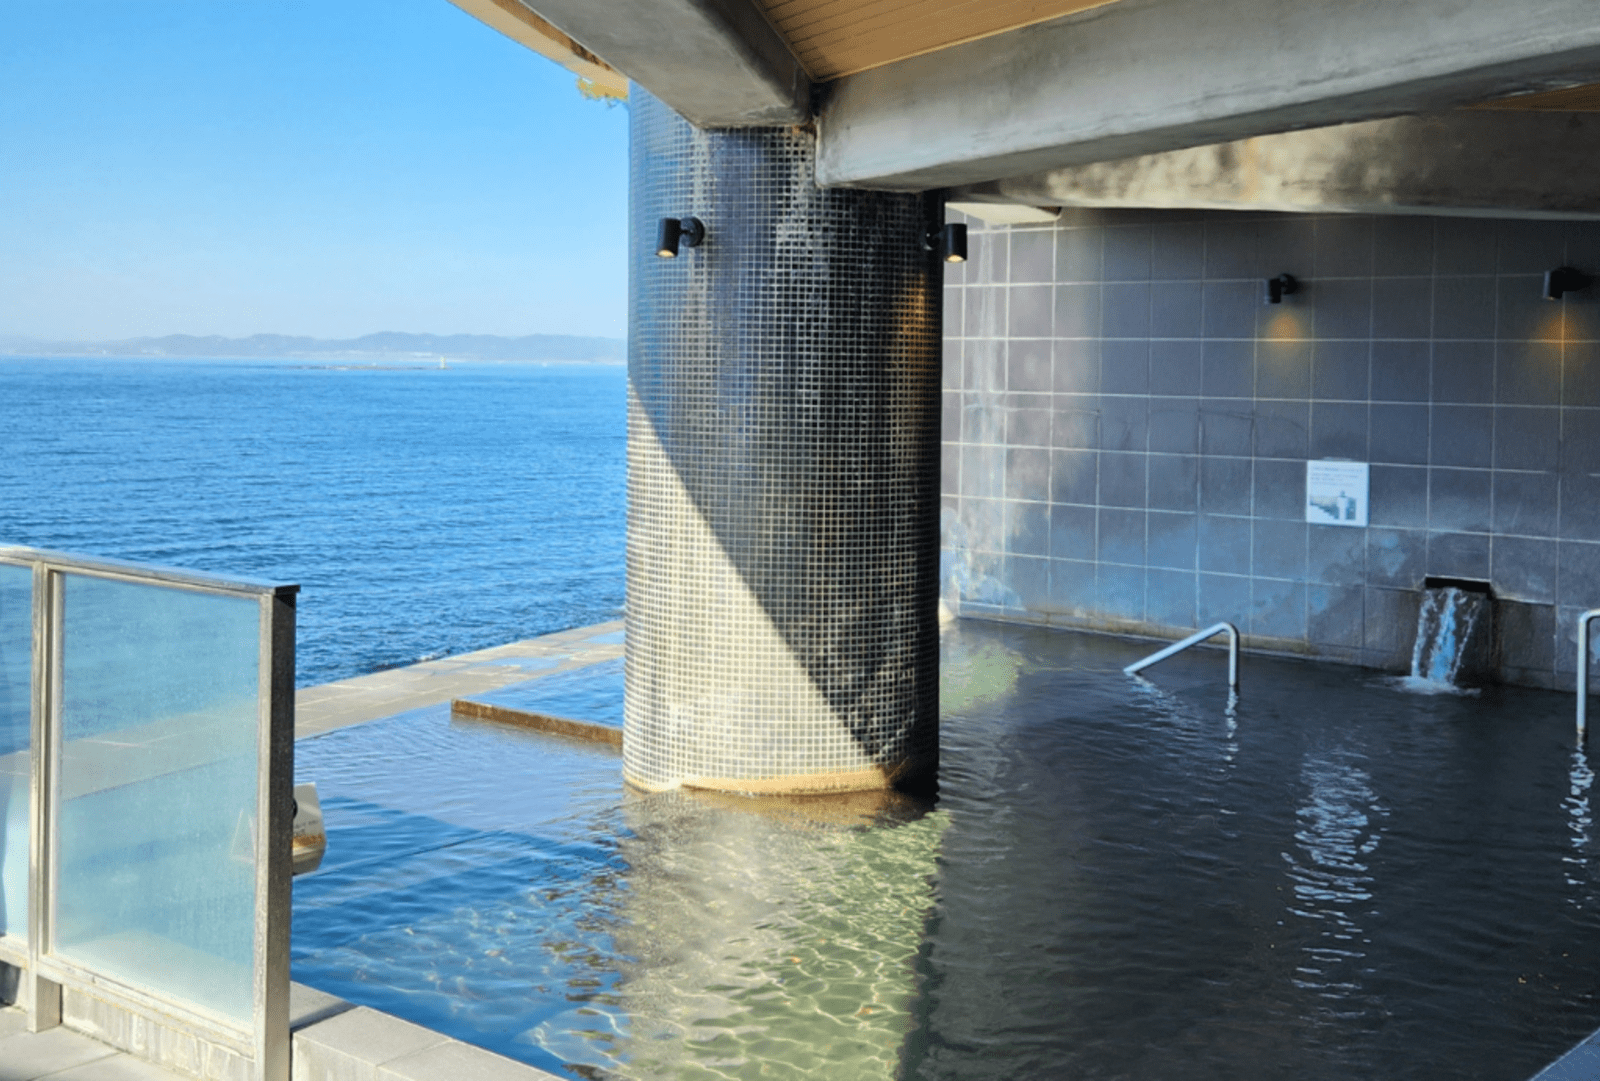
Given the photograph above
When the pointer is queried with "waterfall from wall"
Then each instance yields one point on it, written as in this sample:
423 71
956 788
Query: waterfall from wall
1452 628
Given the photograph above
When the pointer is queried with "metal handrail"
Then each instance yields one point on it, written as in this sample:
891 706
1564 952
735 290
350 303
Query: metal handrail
1583 670
1233 652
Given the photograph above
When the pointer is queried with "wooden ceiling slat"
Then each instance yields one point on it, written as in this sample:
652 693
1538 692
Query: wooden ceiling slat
840 37
1574 99
937 19
804 29
820 26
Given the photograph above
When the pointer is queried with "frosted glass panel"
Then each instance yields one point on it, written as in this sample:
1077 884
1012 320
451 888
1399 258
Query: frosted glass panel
16 664
155 856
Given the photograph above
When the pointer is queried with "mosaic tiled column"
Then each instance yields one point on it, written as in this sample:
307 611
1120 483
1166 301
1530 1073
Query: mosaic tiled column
783 472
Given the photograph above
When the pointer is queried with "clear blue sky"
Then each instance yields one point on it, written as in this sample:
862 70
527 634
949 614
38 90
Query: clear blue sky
321 167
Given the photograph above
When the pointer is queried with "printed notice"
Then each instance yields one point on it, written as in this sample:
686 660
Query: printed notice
1336 493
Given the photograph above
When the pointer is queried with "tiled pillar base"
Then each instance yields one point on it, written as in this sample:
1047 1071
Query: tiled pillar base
783 473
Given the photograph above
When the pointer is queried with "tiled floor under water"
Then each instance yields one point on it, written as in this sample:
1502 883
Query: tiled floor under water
1121 879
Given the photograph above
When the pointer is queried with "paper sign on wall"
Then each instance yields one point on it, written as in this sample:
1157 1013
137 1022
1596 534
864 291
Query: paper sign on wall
1336 493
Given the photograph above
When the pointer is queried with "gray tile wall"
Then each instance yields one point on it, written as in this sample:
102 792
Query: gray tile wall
1126 425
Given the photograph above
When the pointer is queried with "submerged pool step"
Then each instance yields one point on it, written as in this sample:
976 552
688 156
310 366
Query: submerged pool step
543 722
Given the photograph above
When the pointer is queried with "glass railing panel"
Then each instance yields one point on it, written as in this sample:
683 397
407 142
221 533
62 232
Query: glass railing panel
157 787
16 663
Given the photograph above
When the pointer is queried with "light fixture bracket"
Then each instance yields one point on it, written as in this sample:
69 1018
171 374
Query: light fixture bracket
948 241
1282 286
690 232
1563 280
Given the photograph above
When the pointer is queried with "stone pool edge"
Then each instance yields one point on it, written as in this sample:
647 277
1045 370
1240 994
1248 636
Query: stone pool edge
327 707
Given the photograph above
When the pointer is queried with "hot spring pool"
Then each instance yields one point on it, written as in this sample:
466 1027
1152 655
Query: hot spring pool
1335 879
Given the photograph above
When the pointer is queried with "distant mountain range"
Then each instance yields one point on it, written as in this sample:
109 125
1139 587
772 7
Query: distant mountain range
387 345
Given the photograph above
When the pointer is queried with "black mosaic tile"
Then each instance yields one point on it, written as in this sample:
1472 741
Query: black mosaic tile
783 449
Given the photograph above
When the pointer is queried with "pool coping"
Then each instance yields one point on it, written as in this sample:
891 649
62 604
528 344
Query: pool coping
328 707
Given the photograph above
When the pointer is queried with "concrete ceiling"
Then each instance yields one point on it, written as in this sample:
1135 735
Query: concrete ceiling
1012 95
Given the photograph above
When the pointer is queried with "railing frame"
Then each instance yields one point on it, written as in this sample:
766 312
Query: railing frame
47 976
1583 671
1193 640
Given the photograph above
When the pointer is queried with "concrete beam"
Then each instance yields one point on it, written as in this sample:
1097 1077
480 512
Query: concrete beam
717 63
1147 76
1472 163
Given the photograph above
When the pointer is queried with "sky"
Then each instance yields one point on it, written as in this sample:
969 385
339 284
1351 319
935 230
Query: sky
329 168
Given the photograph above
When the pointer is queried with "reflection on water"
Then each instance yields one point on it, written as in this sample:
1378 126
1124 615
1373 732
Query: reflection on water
1577 805
1331 881
1327 878
757 945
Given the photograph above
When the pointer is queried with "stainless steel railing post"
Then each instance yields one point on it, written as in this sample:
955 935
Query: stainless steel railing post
1583 670
1195 639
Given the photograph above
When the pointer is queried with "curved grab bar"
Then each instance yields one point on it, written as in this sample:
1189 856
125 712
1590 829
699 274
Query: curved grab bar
1583 670
1233 652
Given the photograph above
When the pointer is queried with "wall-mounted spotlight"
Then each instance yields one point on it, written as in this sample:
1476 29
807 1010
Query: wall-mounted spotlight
1282 286
691 231
1563 280
950 241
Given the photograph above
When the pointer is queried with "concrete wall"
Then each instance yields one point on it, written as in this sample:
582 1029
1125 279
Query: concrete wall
1126 426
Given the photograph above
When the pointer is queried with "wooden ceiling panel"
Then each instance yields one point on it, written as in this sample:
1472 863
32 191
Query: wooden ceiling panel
840 37
1574 99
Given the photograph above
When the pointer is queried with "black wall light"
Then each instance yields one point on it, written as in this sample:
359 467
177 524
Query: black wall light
1281 286
691 231
950 241
1563 280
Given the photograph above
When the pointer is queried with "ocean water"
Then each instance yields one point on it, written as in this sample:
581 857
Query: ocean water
424 512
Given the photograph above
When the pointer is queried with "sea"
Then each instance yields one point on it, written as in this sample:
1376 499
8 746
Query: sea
423 511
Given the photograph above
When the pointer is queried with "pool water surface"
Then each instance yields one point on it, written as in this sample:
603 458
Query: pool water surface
1121 878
